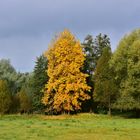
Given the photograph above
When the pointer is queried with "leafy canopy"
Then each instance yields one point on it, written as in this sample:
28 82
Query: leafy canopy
66 88
126 63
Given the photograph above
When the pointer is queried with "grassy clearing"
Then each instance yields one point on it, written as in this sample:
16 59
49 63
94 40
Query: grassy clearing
64 127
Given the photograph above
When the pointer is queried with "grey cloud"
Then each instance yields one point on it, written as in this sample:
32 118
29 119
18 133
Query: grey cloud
27 26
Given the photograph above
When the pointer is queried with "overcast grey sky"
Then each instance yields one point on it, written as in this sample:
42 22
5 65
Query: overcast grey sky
27 26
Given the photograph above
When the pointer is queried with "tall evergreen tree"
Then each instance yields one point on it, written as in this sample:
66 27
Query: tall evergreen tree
101 41
93 49
40 78
88 68
105 87
89 50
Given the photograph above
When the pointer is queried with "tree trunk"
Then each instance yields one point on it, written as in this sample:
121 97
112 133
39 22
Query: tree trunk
109 107
138 113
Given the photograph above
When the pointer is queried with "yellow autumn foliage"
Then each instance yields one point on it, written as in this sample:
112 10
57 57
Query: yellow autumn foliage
66 88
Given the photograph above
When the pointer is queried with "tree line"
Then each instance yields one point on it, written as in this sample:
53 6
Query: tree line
72 77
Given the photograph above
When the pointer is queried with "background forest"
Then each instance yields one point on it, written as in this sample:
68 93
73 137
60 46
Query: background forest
72 77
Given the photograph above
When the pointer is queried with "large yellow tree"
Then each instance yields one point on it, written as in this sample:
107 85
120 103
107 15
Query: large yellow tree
66 88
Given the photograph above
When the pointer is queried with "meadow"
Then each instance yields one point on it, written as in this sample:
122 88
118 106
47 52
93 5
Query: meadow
68 127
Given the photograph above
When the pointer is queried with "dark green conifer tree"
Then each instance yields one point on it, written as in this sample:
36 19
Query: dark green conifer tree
40 78
93 49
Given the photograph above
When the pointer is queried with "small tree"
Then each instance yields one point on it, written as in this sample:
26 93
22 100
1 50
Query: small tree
5 97
24 101
66 88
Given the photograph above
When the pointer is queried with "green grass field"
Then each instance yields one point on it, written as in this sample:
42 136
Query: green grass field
64 127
